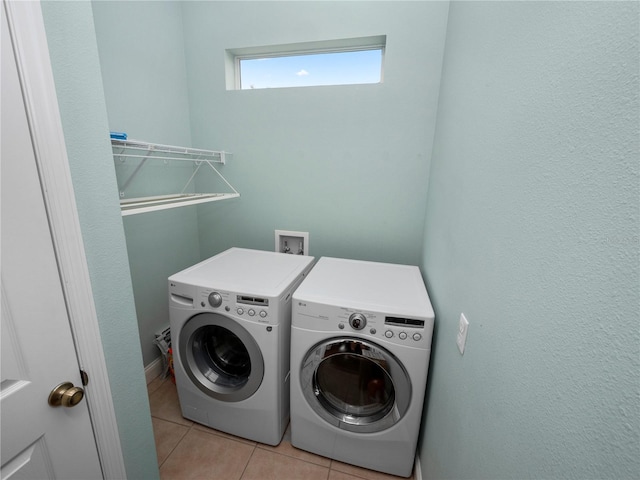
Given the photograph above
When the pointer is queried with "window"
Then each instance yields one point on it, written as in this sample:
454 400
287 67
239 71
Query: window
336 62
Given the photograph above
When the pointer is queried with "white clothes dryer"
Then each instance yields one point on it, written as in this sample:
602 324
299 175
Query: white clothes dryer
230 320
360 347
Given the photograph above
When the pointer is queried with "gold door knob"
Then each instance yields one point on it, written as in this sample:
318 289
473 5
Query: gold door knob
66 395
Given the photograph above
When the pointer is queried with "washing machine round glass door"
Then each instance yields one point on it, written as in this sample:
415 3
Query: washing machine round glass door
220 357
355 385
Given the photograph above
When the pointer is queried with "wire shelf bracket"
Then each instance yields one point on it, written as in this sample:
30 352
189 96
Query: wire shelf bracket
144 151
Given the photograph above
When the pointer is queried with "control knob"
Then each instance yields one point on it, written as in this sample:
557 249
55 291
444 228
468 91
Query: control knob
215 299
357 321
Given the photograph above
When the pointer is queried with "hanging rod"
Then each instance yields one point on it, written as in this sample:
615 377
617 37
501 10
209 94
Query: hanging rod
164 202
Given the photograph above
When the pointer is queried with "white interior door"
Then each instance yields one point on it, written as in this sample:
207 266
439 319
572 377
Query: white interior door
39 441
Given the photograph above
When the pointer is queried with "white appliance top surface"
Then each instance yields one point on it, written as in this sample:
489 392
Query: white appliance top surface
244 270
356 284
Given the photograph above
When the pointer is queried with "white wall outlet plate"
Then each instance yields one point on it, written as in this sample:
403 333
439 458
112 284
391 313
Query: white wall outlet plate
463 328
295 243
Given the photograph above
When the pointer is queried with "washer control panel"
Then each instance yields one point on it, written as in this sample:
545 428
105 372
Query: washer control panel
357 321
246 306
215 299
252 306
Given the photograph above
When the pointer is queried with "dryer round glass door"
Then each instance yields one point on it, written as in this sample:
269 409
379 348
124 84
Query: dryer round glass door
355 385
220 357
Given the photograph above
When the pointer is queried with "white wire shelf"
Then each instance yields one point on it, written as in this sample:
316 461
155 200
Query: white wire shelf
141 152
130 149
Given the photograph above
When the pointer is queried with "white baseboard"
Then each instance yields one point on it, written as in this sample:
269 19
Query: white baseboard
153 370
417 469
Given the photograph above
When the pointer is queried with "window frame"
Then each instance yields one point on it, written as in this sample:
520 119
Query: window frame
235 55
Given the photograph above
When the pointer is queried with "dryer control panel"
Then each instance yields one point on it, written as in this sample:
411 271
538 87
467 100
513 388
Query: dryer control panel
396 329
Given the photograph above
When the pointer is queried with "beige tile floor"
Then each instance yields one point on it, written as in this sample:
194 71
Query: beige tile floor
187 450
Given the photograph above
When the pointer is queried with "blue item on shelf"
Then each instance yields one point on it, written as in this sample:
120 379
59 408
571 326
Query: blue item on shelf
118 135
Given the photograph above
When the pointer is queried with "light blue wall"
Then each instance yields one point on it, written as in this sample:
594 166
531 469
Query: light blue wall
348 164
531 216
142 58
532 230
74 58
145 84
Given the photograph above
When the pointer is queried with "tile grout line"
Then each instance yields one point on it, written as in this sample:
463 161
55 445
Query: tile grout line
329 471
173 422
248 461
226 436
273 450
175 446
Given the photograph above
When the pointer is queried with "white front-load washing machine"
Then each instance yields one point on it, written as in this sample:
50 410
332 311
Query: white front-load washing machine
360 347
230 320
